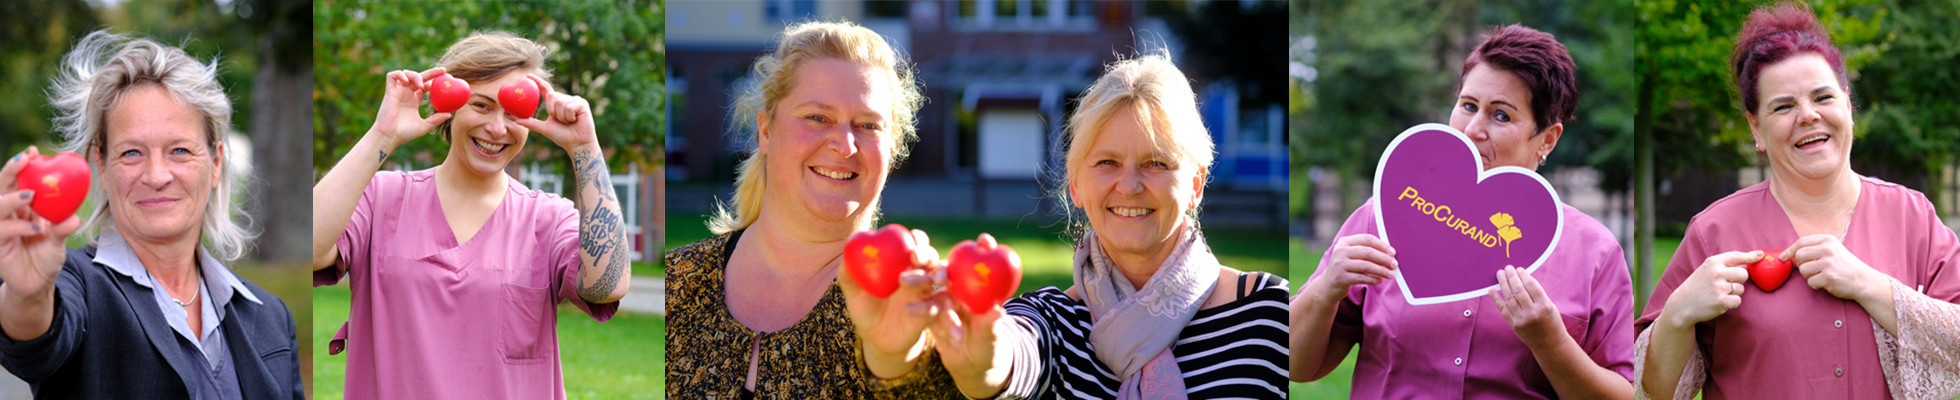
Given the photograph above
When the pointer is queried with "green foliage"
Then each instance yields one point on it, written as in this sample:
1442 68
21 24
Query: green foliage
29 61
611 53
1380 67
1697 119
1909 120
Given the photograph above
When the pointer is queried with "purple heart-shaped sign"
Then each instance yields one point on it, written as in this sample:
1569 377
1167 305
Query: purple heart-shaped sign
1454 224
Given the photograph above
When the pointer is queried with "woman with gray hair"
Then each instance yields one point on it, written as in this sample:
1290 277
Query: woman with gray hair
1152 313
148 308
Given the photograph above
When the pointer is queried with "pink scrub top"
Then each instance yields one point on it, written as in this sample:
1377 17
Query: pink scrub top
1465 349
1798 342
434 319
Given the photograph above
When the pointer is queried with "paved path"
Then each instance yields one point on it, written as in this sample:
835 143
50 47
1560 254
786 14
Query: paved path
648 295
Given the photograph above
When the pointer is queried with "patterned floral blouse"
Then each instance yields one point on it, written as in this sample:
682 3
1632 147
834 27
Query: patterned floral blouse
817 358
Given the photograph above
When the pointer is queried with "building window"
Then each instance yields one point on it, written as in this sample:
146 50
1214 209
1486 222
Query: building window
1024 15
789 11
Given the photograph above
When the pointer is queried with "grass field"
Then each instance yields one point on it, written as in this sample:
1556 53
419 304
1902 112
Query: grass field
620 359
1045 254
292 283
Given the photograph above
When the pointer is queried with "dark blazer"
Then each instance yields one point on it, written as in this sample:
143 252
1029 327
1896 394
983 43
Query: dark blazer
109 341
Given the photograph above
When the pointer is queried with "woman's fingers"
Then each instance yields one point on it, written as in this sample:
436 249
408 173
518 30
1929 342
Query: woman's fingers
431 74
923 254
1532 287
1369 255
12 169
542 86
847 283
14 201
63 229
20 228
1369 241
1806 246
950 328
437 118
1368 271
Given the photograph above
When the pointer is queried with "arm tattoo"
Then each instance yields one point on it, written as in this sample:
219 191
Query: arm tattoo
384 157
601 227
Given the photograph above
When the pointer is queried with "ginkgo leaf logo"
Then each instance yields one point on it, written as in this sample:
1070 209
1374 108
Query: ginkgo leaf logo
1506 229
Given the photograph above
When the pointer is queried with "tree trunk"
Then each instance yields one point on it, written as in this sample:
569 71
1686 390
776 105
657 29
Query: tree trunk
1643 189
282 146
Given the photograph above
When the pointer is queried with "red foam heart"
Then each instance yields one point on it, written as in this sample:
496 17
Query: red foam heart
876 258
59 184
982 278
1771 272
519 98
448 94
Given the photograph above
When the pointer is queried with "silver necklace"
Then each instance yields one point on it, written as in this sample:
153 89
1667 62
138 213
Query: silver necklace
200 291
180 303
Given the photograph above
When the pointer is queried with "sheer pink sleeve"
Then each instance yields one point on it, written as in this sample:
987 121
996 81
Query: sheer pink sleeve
1922 360
1692 376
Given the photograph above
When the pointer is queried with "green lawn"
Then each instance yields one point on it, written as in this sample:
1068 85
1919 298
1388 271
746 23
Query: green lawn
293 284
649 268
1045 254
1304 261
620 359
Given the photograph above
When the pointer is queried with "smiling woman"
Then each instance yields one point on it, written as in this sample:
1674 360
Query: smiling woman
1153 313
469 261
759 309
148 309
1879 316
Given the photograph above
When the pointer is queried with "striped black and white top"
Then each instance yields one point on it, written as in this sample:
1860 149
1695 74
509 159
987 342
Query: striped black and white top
1232 351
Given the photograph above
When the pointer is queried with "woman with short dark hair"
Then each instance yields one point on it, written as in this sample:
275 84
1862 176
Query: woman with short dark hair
1564 330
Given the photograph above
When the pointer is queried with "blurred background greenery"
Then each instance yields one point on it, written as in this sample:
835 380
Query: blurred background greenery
610 52
263 62
1659 133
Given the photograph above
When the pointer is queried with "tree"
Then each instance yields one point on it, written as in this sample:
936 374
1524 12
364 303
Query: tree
1683 70
609 53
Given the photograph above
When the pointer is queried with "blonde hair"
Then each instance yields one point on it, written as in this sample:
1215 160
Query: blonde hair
101 69
485 56
1161 96
775 73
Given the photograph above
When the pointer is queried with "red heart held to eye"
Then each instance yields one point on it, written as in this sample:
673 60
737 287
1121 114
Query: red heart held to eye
1771 272
983 278
519 98
448 94
59 184
875 258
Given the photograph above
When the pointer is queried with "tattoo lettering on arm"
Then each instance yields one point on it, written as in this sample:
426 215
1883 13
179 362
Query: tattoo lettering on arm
601 226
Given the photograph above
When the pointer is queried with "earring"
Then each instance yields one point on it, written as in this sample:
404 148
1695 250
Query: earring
1759 148
1541 160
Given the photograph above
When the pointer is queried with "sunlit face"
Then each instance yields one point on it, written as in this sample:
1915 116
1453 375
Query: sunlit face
483 138
828 144
160 167
1494 109
1804 119
1134 195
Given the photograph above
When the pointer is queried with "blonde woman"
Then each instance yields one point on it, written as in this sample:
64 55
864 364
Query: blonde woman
148 309
757 310
1152 314
457 270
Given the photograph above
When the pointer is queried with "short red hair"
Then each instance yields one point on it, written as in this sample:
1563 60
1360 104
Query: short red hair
1774 33
1540 61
